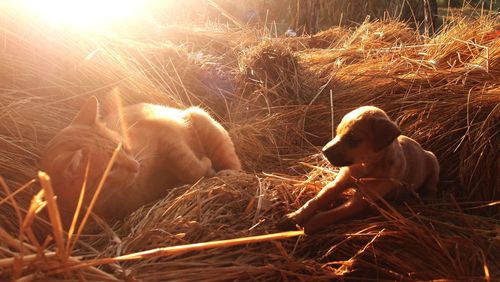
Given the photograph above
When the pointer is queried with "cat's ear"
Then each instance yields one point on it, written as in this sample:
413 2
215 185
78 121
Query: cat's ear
88 114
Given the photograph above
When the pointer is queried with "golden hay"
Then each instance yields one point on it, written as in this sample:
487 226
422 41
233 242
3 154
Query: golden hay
272 70
229 206
279 102
442 92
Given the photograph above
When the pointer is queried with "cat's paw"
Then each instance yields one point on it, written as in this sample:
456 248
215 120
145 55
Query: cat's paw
206 164
226 172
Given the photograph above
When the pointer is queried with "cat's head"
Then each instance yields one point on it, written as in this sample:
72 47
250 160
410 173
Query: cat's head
87 140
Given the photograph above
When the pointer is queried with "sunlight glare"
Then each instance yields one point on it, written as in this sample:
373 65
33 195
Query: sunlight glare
118 104
85 13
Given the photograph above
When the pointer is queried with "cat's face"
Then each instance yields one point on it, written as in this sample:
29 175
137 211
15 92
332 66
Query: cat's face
86 140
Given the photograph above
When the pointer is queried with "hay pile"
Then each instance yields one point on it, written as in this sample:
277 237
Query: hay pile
418 85
279 99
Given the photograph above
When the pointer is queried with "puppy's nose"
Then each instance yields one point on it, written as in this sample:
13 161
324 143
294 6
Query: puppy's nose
329 147
329 150
334 156
331 155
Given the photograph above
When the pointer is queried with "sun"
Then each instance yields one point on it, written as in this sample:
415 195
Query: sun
85 14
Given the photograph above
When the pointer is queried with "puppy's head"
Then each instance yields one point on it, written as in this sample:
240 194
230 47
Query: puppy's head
360 135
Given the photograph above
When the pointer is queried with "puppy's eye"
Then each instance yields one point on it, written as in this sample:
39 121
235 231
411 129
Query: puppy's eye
352 140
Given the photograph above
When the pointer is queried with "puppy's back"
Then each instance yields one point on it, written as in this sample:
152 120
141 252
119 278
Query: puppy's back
423 165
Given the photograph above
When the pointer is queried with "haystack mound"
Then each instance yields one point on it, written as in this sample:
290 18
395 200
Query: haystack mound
418 85
279 103
224 207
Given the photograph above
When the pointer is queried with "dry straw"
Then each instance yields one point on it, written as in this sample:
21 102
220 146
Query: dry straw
277 97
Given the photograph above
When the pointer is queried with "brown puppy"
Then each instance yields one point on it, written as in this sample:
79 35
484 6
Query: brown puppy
376 161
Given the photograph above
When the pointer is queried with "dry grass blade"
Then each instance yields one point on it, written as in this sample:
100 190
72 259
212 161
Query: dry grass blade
55 217
37 204
20 189
225 13
96 194
26 258
12 199
174 250
77 210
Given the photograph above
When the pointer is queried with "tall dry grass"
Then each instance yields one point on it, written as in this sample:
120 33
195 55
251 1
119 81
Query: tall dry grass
279 99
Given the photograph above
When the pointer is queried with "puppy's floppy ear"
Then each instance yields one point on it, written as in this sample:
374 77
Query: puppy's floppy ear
384 132
88 114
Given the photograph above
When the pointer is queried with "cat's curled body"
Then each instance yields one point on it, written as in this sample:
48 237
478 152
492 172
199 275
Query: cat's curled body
162 148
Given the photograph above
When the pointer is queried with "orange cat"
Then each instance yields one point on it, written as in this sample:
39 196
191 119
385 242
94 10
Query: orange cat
162 148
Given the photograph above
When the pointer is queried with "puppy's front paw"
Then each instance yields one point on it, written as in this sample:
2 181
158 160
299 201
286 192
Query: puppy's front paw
317 223
287 223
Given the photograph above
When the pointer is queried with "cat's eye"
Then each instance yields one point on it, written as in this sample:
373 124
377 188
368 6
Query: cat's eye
126 149
114 169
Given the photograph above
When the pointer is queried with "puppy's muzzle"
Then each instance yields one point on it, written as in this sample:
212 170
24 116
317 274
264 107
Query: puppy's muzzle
332 152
